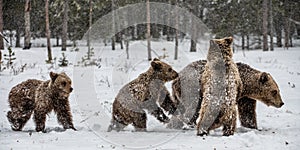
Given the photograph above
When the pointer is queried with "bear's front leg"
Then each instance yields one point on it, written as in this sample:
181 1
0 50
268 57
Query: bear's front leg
168 105
155 110
159 114
40 119
247 114
229 125
64 116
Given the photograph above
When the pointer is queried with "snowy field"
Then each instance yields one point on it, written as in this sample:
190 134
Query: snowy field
96 86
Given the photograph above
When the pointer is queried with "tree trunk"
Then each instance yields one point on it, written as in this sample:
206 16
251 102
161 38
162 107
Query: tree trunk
89 30
148 31
168 23
133 32
121 40
65 26
127 41
57 40
27 37
18 37
265 25
278 30
176 32
193 31
287 32
10 36
193 42
292 28
1 26
248 42
113 43
126 35
48 32
271 27
113 39
243 42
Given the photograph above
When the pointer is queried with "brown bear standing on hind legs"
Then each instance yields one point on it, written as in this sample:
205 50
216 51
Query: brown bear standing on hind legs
142 93
221 84
40 98
257 86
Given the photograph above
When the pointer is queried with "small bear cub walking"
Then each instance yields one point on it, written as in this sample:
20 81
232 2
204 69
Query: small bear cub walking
41 97
142 93
221 84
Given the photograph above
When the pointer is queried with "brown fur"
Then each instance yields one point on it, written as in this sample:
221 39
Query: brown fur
221 84
40 98
246 106
256 86
142 93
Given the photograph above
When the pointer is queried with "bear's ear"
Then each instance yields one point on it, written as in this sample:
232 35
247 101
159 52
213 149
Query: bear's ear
156 59
228 40
156 65
53 76
263 77
64 74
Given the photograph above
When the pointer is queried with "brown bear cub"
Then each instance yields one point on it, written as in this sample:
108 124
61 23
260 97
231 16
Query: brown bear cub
221 84
40 98
142 93
257 86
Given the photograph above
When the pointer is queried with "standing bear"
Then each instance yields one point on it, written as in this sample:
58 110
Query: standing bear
221 84
40 98
257 86
142 93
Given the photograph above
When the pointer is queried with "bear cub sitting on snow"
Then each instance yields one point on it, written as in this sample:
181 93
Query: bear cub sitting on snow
142 93
41 97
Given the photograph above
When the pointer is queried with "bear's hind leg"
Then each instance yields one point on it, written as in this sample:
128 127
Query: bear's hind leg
247 114
14 121
116 125
18 119
207 118
229 124
140 121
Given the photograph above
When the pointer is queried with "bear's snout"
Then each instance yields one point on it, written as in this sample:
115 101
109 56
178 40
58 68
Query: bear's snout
176 75
281 104
71 89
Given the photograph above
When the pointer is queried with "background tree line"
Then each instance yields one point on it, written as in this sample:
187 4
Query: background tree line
253 21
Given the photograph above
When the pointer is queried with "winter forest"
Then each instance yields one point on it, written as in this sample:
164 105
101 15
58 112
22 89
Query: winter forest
98 49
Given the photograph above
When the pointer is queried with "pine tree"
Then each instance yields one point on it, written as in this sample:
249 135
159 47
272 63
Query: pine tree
10 57
63 62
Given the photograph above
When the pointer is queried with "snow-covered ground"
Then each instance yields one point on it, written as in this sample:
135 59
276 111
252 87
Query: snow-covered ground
96 86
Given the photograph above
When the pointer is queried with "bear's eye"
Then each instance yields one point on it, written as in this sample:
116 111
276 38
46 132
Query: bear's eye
170 69
274 93
64 83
